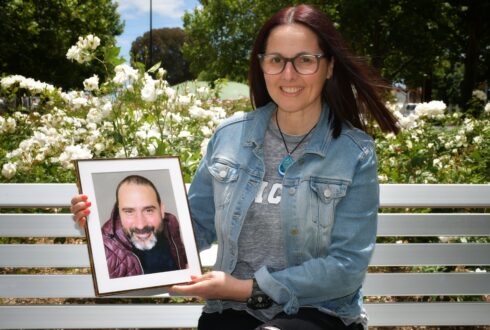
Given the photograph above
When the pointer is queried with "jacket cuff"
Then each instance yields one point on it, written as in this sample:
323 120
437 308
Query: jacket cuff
277 291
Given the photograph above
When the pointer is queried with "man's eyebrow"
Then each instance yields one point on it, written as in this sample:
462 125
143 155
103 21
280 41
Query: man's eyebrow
144 208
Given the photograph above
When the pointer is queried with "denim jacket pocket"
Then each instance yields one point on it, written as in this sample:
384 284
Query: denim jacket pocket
326 194
225 175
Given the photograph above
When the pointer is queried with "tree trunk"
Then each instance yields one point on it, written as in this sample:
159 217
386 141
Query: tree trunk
427 88
473 21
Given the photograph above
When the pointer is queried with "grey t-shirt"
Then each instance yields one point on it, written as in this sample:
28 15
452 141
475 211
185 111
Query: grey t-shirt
261 240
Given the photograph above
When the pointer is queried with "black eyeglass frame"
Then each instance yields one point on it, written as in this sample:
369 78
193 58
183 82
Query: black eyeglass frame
291 59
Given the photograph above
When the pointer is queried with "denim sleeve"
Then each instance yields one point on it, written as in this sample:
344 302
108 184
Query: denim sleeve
342 272
201 203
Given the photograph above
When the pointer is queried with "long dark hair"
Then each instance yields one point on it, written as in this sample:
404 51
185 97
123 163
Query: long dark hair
353 92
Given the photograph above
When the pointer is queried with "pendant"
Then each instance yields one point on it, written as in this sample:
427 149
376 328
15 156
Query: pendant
284 164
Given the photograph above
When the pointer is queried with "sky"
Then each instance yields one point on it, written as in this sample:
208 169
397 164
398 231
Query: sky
136 15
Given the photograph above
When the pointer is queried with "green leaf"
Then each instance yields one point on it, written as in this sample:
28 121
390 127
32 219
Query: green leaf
155 67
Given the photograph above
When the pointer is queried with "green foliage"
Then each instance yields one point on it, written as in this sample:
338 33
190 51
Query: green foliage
167 49
437 46
448 149
220 36
131 114
36 34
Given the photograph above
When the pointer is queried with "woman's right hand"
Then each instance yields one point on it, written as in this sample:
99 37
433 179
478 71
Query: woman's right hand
80 209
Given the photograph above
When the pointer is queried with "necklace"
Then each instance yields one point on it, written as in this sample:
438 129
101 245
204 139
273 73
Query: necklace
288 160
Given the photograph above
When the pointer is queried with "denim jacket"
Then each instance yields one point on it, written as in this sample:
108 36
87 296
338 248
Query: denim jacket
329 207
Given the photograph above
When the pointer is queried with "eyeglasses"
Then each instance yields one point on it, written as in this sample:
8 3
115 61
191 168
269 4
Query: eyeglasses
302 63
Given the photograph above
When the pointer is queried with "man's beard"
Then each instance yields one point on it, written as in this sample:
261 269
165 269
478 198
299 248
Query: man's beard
147 243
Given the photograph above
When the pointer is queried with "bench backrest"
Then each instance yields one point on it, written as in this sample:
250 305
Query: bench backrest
51 270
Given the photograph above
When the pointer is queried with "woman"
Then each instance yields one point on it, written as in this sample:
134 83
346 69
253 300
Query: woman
290 190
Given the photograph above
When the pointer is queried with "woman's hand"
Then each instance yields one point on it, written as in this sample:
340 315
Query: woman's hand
216 285
80 209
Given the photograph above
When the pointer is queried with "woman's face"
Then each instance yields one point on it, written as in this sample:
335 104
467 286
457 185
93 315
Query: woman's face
291 91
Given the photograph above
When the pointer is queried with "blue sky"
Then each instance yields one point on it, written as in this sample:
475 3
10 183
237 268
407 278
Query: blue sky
136 15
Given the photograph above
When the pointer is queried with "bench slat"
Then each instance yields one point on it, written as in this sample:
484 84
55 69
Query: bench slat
376 284
100 316
427 284
435 195
431 254
37 194
416 254
391 195
186 316
39 225
64 255
440 314
433 224
423 224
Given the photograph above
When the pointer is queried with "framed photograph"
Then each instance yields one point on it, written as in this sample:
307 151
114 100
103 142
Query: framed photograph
139 230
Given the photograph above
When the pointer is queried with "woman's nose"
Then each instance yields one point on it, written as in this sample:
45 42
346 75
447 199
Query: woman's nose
289 71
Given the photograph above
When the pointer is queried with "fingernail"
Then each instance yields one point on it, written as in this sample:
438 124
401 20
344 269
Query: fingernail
88 204
86 211
82 221
84 197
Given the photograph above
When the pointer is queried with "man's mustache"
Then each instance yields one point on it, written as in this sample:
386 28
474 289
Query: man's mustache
144 230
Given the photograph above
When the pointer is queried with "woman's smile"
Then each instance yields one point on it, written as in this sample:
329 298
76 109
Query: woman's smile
291 91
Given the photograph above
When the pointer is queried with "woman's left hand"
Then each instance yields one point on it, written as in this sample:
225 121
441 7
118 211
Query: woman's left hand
216 285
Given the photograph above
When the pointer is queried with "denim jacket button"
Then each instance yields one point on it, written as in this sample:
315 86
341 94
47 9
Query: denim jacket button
327 193
222 174
292 191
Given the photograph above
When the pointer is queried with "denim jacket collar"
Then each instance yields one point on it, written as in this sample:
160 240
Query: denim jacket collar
320 138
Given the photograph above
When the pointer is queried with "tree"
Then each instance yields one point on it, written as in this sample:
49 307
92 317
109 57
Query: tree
439 46
475 39
36 35
220 36
167 49
401 38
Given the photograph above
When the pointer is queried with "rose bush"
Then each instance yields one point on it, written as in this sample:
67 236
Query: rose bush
133 114
137 113
436 145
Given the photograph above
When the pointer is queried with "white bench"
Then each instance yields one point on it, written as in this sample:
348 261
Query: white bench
32 297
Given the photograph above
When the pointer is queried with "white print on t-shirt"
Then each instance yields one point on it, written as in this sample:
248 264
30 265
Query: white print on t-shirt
273 195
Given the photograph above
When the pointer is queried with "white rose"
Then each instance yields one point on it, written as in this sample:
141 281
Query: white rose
152 148
206 131
9 170
148 93
106 109
480 95
185 134
73 54
124 73
10 125
92 83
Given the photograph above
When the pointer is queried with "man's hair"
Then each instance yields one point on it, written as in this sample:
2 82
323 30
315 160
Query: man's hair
139 180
